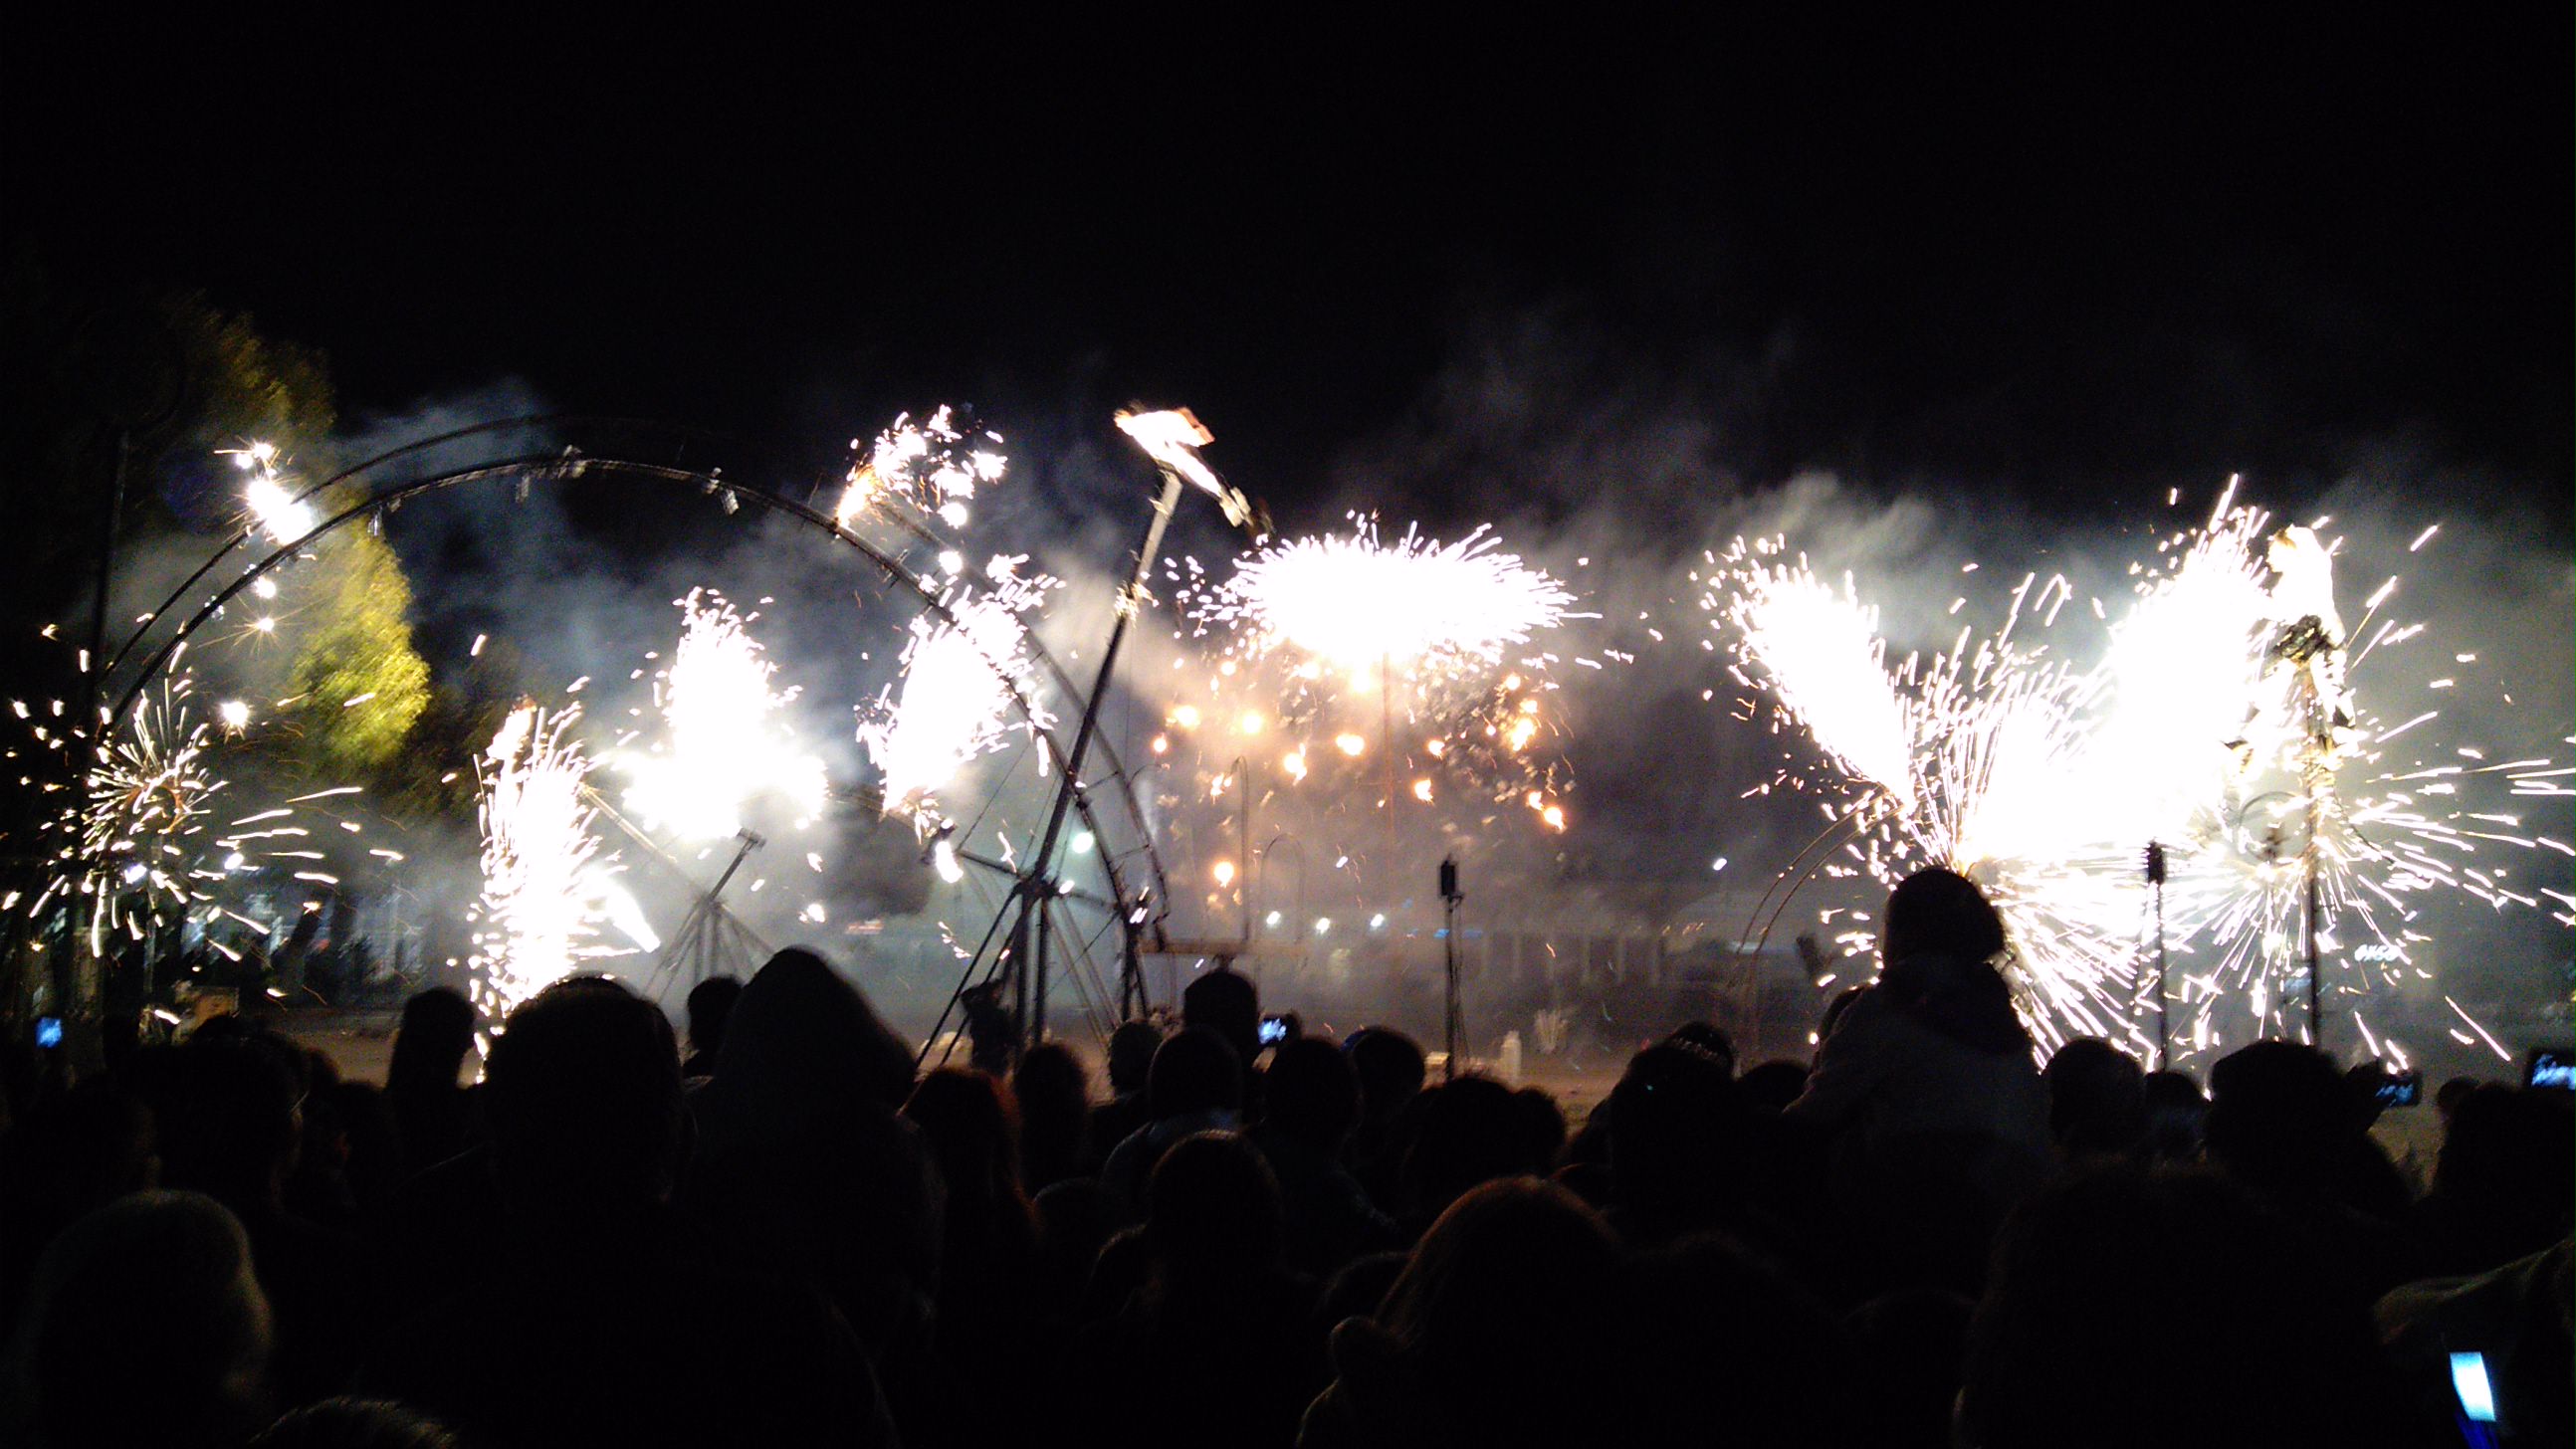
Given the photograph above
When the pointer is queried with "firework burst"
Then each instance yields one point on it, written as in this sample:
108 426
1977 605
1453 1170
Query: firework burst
2217 723
270 502
934 465
547 890
963 678
726 742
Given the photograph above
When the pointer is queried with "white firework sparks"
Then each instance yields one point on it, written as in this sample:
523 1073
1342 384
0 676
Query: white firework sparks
272 504
933 464
1354 602
727 743
2216 723
546 888
963 678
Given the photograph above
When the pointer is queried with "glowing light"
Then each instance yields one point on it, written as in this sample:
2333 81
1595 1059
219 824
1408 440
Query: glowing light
935 465
234 715
1083 841
2217 721
1349 744
546 888
1354 601
272 505
727 743
1323 924
961 679
943 859
1224 873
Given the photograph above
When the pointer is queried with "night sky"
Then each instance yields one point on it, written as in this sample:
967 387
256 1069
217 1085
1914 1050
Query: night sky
2066 263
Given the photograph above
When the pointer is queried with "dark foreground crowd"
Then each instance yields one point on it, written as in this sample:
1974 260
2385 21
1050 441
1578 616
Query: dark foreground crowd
789 1237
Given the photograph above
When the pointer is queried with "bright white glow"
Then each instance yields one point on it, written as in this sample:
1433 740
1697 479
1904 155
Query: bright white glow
1083 841
546 888
1271 919
271 503
234 715
1378 922
1355 602
943 858
960 683
726 741
1224 873
1323 924
933 465
2477 1393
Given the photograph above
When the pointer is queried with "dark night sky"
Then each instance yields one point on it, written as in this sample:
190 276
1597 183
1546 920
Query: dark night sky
2053 260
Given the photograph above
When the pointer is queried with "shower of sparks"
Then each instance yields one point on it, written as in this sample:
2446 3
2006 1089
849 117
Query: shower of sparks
1361 693
727 742
547 890
1329 645
1355 603
934 464
136 842
2217 721
963 679
272 504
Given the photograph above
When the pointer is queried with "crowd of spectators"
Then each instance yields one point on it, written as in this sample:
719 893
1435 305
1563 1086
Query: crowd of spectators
786 1234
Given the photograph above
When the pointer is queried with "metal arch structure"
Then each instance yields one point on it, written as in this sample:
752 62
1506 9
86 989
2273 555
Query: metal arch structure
1137 904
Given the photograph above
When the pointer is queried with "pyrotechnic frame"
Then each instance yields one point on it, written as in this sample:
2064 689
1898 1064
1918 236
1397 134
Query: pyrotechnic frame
1137 903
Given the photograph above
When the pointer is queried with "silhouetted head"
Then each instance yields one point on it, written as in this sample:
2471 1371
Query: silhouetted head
1194 1071
1226 1002
228 1125
1708 1040
2097 1098
583 1093
2447 1097
1054 1094
2509 1145
710 1006
354 1424
145 1325
1212 1205
1311 1094
2279 1114
1772 1086
1512 1283
2176 1114
1391 1069
429 1047
2114 1268
1674 1130
1542 1126
801 1038
1131 1055
1940 911
1468 1131
973 1131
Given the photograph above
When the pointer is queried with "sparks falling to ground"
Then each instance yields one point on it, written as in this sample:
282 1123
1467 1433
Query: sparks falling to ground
726 740
934 465
2218 722
547 890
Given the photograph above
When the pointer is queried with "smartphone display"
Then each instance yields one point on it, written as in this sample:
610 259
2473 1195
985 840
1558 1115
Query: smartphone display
2401 1089
2550 1067
49 1031
1274 1030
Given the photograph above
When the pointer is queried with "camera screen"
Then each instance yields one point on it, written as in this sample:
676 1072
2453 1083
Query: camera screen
49 1031
1274 1030
2551 1067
